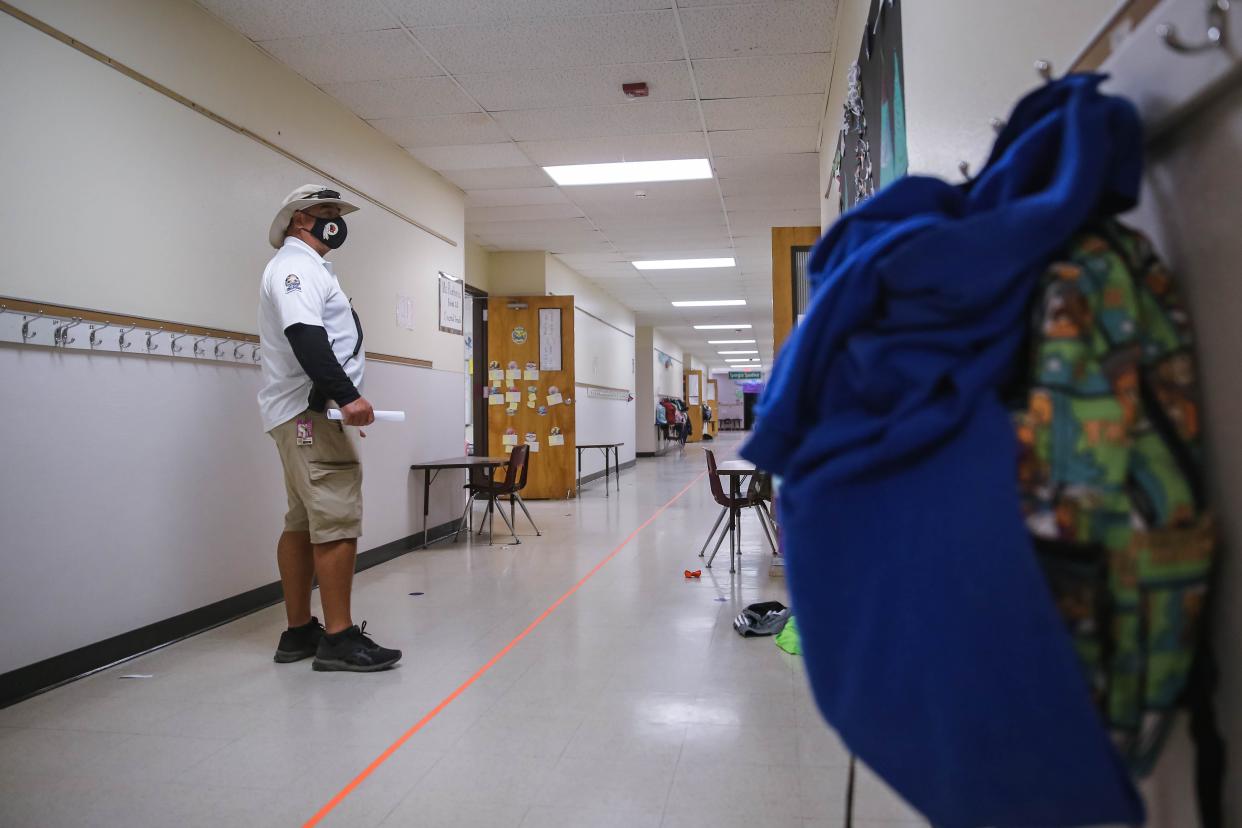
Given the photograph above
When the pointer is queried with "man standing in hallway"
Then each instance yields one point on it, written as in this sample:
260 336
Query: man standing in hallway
311 342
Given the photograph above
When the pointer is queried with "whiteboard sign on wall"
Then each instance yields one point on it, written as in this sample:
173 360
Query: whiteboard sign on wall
452 304
549 339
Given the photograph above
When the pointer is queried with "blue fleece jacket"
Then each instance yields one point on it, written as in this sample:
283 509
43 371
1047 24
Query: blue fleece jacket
931 641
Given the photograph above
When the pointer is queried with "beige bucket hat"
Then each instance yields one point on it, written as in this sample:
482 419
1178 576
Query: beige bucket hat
308 195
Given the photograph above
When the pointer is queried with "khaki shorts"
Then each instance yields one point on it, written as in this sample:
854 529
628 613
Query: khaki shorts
323 480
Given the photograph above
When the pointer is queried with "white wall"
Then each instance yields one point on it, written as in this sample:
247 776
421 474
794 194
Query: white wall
965 63
145 486
477 267
131 505
603 355
669 381
1190 207
175 223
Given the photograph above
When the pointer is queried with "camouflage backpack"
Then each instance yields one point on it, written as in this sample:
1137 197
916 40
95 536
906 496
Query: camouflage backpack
1109 440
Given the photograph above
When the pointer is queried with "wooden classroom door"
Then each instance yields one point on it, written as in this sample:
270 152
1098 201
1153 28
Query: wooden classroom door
530 351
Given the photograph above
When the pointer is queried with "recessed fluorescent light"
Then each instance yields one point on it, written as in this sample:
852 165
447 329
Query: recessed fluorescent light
681 264
630 172
730 342
737 352
710 303
740 359
740 327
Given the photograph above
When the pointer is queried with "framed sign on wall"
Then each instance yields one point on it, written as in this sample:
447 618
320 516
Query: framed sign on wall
452 304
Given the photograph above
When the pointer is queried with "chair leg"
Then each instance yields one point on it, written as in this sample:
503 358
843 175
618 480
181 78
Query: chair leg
766 532
486 513
726 532
526 511
464 514
491 519
724 511
501 511
735 543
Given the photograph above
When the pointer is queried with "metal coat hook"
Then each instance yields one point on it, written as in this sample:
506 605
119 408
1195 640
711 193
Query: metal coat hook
998 125
1217 30
237 350
152 347
121 341
176 349
219 349
61 335
254 353
95 340
964 168
199 350
28 334
1044 68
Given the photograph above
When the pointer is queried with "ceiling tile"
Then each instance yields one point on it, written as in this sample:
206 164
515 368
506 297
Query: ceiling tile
640 37
773 185
802 165
600 121
450 12
765 220
515 197
780 27
405 97
764 113
747 77
477 157
273 19
579 86
618 148
658 192
764 141
357 56
524 212
499 179
805 199
442 130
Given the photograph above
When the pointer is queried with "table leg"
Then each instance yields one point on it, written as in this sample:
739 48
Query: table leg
426 499
606 484
579 471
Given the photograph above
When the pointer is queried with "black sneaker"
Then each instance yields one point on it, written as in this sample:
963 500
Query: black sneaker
353 650
297 643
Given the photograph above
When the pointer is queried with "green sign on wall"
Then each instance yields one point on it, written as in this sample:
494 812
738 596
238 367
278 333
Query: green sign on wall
745 375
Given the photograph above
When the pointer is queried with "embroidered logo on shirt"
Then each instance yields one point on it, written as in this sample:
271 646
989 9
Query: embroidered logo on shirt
292 283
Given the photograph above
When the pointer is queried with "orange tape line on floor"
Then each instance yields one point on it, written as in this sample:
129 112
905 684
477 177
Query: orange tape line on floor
421 723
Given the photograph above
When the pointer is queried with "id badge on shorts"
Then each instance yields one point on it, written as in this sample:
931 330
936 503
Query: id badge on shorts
306 431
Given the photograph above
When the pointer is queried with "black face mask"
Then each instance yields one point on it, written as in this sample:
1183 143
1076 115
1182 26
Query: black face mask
331 232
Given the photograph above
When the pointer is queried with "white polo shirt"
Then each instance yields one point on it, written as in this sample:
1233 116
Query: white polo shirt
300 286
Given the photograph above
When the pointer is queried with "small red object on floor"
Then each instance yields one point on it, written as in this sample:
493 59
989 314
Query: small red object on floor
698 573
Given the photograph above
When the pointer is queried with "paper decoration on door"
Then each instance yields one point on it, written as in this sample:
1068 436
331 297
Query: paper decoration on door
532 440
452 304
550 339
510 437
513 396
513 372
554 396
405 312
519 335
532 396
542 411
495 373
555 438
531 372
495 399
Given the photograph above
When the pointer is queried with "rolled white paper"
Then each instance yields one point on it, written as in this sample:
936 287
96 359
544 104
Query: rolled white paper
386 416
